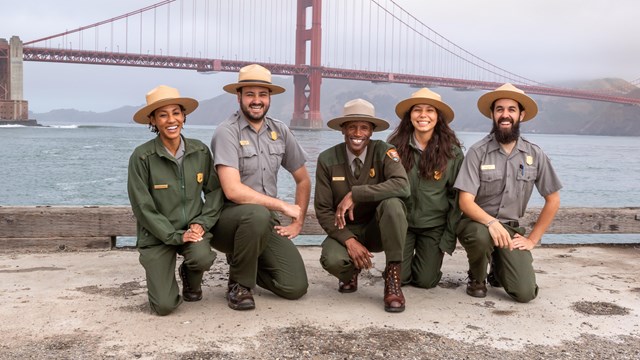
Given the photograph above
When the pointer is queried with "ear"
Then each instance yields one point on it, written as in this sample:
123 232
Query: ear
522 113
239 97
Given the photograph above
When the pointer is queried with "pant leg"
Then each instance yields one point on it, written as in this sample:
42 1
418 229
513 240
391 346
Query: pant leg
242 232
427 261
392 215
159 262
198 258
478 244
335 259
281 268
407 255
515 271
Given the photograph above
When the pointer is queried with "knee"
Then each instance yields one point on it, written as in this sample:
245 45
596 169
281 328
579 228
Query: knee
295 291
426 282
257 215
202 261
392 206
523 294
333 265
163 308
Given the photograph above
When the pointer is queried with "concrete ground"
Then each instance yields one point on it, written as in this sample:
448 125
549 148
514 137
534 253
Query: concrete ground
94 305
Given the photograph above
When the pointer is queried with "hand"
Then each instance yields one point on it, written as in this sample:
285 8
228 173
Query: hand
359 254
290 231
197 228
292 210
522 243
500 235
345 208
191 235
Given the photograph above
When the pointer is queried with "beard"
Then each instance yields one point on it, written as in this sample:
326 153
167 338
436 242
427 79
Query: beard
251 117
506 136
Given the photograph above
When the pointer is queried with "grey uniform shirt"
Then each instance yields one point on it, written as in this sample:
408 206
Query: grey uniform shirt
257 155
501 183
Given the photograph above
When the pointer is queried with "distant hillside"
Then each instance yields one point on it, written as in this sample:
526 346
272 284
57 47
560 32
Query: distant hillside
556 116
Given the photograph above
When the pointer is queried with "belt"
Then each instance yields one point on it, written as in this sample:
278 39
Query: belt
512 223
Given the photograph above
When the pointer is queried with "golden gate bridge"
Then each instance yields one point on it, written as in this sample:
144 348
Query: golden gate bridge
367 40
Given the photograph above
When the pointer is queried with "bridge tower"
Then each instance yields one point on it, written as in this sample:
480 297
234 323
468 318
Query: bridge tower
306 96
13 108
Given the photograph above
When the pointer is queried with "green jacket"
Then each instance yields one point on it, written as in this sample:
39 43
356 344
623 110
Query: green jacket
166 197
382 177
435 202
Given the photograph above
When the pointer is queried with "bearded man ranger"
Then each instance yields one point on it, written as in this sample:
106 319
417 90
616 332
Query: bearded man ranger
495 183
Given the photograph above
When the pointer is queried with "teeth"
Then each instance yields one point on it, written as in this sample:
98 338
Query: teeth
172 127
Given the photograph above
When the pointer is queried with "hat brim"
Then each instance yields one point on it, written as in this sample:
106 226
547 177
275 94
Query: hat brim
529 105
233 88
378 124
142 116
404 106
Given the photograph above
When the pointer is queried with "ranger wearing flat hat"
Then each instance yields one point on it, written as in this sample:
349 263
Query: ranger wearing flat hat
495 183
167 180
360 185
249 148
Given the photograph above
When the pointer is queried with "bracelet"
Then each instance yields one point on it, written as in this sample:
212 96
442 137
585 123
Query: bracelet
491 222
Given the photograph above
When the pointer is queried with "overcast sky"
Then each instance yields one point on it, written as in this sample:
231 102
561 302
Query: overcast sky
543 40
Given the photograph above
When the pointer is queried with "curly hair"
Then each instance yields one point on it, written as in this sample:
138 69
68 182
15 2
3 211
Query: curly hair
154 129
437 153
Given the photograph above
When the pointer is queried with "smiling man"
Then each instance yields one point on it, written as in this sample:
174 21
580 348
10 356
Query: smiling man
248 150
495 182
360 184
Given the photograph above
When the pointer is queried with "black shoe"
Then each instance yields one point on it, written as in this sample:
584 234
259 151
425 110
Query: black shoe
476 288
239 297
492 279
188 293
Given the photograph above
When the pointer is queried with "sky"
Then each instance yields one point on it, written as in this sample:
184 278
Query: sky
543 40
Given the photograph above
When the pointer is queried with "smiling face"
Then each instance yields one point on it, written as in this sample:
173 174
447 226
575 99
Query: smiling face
254 102
423 118
357 135
169 121
506 120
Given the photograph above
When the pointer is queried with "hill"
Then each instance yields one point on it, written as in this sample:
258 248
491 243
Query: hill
556 116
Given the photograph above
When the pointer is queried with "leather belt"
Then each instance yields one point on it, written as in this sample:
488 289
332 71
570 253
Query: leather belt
512 223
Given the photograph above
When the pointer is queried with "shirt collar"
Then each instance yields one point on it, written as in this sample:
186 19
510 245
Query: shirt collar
351 156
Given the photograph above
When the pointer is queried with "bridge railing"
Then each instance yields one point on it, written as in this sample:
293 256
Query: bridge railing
97 227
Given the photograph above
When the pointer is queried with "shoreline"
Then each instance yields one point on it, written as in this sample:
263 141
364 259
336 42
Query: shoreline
93 304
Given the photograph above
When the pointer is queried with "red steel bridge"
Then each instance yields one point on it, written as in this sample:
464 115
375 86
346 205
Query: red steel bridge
369 40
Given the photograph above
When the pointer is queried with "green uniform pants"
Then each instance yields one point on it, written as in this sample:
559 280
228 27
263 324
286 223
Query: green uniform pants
159 262
422 258
513 268
256 253
390 213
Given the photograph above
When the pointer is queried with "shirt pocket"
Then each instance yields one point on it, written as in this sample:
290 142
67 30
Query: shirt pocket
490 183
248 160
526 179
276 154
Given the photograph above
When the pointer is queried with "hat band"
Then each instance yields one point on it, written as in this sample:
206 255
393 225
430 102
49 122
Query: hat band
255 81
366 115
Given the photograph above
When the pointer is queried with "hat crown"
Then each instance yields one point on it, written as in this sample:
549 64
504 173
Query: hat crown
426 93
358 107
254 73
509 87
160 93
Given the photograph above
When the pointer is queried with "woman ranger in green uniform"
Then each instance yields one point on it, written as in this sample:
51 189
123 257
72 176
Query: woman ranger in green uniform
431 155
167 178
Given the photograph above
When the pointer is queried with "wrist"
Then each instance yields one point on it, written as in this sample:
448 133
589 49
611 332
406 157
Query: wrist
491 222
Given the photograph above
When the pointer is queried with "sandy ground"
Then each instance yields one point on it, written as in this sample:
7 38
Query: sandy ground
94 305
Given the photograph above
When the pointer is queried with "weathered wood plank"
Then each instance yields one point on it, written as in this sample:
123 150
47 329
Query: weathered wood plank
56 243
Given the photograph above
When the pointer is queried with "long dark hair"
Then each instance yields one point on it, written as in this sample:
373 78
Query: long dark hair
438 151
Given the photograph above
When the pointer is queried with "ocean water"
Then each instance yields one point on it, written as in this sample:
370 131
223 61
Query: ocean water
87 165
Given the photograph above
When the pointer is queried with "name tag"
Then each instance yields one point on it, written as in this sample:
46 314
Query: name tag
337 178
161 186
488 167
244 142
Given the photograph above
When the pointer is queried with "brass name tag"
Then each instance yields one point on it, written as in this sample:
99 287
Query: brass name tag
162 186
487 167
337 178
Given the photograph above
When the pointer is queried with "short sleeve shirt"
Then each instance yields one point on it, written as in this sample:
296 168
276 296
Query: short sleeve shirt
257 155
503 183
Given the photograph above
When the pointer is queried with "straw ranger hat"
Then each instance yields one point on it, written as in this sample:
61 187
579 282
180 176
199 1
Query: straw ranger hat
508 91
358 110
161 96
425 96
253 75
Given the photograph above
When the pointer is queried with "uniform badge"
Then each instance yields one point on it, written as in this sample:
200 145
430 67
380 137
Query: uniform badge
372 173
393 154
437 175
274 135
244 142
529 160
199 178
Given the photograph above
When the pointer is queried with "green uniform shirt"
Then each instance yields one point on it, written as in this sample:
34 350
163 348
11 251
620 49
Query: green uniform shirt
434 202
382 177
501 183
166 197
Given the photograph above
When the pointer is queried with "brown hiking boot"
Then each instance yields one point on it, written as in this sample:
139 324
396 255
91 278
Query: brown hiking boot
239 297
351 285
393 297
188 292
476 288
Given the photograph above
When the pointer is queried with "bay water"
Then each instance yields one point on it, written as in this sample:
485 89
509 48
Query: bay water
87 165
